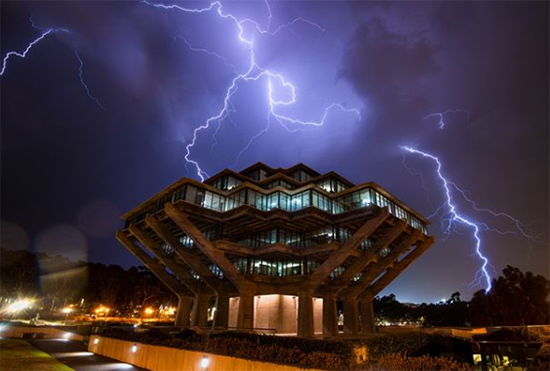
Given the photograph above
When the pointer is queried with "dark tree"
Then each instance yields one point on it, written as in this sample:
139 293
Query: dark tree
453 312
516 299
389 309
18 274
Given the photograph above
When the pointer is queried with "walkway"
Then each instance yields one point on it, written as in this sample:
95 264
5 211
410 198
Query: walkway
75 355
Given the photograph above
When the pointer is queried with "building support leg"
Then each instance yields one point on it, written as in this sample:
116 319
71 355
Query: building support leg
185 304
245 316
305 316
330 317
367 316
351 315
199 317
221 317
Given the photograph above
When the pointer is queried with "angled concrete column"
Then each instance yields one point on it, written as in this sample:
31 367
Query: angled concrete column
330 317
305 315
188 257
344 279
335 259
199 317
208 248
221 317
153 265
179 270
381 265
245 316
367 316
351 315
393 272
185 303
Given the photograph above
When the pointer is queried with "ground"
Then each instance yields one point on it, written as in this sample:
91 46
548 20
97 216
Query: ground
19 355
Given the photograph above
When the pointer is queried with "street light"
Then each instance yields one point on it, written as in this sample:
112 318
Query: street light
19 305
101 310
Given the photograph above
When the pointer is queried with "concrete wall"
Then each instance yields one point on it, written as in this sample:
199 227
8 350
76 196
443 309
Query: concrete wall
157 358
279 312
318 315
233 311
46 332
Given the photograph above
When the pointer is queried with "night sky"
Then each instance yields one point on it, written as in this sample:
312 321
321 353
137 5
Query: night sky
70 168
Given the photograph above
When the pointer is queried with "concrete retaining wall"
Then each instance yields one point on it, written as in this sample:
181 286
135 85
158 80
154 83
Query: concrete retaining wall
158 358
45 332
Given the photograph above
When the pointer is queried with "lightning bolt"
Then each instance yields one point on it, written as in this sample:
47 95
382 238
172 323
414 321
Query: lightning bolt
455 216
27 49
81 75
275 82
45 33
441 115
452 215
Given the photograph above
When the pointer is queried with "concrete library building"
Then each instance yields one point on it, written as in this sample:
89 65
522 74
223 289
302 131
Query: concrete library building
275 250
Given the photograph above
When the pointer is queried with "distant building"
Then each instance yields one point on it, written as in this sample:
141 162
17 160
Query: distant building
275 248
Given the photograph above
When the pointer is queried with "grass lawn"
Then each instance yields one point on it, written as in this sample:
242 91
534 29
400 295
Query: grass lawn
18 355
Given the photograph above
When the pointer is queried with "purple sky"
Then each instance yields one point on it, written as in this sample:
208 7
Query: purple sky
70 168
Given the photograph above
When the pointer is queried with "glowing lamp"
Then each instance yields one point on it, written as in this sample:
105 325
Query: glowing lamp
205 361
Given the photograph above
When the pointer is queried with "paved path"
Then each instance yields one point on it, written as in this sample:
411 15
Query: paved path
75 355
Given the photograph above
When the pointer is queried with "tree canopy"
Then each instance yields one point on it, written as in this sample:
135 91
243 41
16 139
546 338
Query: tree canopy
516 299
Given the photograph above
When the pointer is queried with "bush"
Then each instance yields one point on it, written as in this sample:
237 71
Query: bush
301 352
513 334
406 343
324 354
399 362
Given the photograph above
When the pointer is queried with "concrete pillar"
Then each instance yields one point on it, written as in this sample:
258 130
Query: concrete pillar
245 316
305 316
199 316
330 317
367 316
221 317
351 315
184 311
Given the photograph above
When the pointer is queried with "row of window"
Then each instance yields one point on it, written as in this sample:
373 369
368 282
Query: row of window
275 267
226 183
281 200
295 239
331 185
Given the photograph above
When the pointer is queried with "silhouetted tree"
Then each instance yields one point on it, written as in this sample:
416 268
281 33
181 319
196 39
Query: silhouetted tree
453 312
60 281
516 299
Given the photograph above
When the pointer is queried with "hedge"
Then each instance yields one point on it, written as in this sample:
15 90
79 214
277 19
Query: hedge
327 354
399 362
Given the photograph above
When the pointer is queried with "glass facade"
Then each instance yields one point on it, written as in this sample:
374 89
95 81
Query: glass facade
275 267
280 200
295 239
279 183
226 183
332 185
301 176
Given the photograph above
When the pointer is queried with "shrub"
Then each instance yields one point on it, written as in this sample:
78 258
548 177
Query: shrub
406 343
399 362
296 351
513 334
324 354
